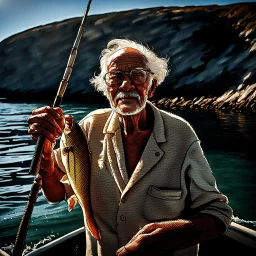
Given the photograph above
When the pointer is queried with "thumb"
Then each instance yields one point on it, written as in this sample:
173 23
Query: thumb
48 148
69 122
147 229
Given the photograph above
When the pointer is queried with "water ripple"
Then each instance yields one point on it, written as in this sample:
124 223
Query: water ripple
228 140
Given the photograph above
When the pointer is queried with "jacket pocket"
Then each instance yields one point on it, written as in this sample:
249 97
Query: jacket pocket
164 193
163 203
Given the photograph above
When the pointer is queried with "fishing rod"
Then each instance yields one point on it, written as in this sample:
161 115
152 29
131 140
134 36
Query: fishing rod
36 160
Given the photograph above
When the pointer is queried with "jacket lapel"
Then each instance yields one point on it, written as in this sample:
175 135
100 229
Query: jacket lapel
115 153
152 153
151 156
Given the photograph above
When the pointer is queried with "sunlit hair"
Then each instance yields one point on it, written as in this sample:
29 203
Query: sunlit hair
159 66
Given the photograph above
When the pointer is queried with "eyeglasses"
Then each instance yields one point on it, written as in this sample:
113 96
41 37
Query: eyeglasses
137 76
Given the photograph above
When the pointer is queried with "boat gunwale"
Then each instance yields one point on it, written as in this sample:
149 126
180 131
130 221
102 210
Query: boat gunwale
235 232
242 234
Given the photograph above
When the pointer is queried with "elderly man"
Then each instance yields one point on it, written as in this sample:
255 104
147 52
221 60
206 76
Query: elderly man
152 190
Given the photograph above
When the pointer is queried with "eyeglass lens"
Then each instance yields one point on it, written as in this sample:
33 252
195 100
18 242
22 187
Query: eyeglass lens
115 78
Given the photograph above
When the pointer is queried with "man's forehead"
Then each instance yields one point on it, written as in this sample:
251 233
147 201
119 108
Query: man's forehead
123 54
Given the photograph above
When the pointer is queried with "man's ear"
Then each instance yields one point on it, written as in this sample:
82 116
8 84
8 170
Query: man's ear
152 88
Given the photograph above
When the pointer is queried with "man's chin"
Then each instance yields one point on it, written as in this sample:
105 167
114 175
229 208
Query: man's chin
128 113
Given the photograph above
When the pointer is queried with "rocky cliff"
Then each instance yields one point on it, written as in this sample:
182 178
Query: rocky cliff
211 50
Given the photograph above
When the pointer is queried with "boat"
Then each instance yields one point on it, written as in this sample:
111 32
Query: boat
238 240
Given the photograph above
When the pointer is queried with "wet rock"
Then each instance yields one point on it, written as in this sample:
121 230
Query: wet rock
241 100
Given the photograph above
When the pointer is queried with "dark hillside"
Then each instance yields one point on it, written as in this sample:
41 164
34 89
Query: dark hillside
211 49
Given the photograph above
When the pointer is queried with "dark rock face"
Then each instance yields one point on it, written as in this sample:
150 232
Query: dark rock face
211 50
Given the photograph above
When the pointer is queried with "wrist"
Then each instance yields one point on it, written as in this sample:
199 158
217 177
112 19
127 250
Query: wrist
46 173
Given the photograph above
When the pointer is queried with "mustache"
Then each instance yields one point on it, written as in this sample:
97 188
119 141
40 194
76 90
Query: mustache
121 95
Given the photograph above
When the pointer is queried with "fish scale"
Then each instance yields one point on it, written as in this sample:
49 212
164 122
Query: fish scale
76 159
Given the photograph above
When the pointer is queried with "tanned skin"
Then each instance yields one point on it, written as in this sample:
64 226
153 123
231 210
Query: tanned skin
167 236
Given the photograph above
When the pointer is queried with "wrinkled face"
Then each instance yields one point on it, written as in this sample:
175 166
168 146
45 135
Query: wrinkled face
128 97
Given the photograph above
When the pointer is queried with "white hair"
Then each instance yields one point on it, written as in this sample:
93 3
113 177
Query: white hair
158 66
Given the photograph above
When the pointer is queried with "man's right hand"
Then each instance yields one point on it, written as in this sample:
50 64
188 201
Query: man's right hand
49 122
46 121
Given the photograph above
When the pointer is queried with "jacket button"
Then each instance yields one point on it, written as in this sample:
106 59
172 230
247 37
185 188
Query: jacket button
122 218
157 154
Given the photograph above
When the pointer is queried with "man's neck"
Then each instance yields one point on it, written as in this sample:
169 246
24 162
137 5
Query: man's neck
136 124
135 134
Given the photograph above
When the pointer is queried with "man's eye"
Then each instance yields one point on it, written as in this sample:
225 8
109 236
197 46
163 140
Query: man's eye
138 74
115 76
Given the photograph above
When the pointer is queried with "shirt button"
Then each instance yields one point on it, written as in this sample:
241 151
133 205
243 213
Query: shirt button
122 218
157 154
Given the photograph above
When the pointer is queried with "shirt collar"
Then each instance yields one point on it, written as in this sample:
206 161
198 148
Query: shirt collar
112 124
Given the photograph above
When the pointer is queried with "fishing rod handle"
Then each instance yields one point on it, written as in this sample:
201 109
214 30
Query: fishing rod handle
36 160
23 228
37 157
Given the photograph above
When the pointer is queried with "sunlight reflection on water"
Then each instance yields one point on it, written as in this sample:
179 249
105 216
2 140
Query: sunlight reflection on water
227 139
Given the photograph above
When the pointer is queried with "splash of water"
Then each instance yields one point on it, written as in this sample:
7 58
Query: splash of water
241 221
29 248
35 246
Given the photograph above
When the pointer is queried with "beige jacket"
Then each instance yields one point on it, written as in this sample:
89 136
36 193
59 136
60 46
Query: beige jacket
172 179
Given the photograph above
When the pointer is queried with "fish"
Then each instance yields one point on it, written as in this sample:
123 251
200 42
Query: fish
75 156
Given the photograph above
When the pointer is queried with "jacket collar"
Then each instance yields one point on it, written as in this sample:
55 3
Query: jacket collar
116 158
112 124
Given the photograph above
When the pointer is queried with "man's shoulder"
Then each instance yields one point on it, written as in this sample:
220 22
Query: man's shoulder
98 114
177 125
171 118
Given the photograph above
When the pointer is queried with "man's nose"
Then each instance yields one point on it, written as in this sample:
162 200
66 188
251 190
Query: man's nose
127 84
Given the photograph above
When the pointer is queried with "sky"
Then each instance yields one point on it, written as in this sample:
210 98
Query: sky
19 15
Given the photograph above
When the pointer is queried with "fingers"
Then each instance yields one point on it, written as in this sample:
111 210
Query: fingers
46 121
137 249
148 240
146 229
122 251
47 109
48 149
69 121
142 243
36 129
47 162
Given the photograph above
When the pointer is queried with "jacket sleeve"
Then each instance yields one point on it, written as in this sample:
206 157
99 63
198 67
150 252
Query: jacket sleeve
204 195
70 196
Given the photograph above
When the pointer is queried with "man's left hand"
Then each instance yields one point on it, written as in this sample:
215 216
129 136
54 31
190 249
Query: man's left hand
150 240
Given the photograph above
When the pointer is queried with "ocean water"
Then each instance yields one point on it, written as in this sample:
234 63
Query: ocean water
228 140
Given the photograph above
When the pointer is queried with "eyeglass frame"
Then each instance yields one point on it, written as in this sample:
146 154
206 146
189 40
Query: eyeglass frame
127 72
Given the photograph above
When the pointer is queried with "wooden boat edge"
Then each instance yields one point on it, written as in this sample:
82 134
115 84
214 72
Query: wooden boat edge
238 239
242 234
236 232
